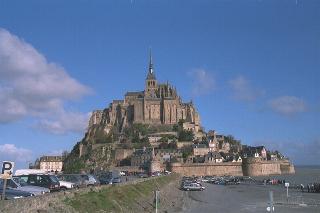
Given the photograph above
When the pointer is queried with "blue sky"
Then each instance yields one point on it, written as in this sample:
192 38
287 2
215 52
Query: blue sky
252 68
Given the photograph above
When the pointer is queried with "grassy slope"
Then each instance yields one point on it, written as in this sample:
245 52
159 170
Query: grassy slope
118 198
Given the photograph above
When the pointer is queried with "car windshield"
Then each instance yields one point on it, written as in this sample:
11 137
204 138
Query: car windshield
54 179
71 178
10 184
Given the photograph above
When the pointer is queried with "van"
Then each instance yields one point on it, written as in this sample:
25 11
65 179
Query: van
29 172
47 181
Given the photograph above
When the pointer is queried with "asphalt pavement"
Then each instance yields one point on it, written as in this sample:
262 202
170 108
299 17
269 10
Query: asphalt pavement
249 198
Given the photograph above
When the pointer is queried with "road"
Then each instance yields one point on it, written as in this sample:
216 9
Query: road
248 198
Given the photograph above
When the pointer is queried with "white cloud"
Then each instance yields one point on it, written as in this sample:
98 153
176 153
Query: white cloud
66 122
242 90
287 105
30 86
203 82
12 153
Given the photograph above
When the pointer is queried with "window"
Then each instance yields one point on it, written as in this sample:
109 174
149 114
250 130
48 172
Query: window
32 179
42 180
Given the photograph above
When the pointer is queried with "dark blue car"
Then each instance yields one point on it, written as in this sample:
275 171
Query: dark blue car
14 194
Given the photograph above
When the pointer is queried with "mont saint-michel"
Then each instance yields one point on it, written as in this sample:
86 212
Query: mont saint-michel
158 104
154 130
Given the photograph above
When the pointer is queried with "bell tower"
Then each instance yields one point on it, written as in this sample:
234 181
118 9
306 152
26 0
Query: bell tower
151 81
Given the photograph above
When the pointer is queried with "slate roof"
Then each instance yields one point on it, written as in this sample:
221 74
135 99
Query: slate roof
214 155
140 93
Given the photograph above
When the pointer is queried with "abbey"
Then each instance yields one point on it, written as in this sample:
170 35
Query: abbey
158 103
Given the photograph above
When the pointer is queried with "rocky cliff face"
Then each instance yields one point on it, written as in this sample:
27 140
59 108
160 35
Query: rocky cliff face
96 150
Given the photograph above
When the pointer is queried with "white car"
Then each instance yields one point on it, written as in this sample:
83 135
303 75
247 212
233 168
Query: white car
167 172
64 185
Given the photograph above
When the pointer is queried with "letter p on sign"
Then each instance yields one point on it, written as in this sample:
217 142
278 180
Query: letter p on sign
7 169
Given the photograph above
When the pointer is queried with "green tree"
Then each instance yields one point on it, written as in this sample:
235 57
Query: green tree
185 135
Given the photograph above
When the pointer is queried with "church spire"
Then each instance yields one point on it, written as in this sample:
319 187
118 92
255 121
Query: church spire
150 62
151 75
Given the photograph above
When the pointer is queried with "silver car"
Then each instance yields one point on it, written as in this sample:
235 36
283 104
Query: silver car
193 187
90 180
21 186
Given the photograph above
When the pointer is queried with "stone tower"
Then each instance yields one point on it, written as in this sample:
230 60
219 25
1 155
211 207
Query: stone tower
151 81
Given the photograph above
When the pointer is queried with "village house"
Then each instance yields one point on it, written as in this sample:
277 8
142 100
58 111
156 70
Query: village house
213 157
236 159
166 155
200 149
141 157
51 163
254 151
217 142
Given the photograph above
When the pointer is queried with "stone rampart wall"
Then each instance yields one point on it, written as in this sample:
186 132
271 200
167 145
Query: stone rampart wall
249 167
258 167
202 169
287 168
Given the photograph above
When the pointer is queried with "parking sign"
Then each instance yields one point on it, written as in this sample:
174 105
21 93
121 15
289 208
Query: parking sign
7 170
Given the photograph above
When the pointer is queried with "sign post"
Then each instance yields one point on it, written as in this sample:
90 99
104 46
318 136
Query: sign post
287 186
156 200
270 208
6 173
4 189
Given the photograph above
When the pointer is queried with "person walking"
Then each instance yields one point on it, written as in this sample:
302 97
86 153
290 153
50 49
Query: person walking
302 187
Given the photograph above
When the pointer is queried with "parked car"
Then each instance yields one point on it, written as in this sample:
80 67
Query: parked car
109 178
105 179
155 174
48 181
65 185
90 180
76 179
166 172
14 194
116 180
143 175
36 190
29 172
193 187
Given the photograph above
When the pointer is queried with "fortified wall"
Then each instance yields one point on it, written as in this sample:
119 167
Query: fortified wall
287 168
203 169
249 167
258 167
